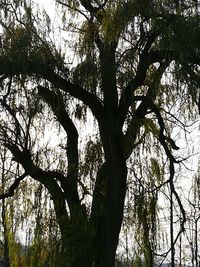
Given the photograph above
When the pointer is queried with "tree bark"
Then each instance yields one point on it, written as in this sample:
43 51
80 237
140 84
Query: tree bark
5 233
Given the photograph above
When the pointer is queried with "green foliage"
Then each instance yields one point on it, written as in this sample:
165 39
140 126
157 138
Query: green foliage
93 158
121 51
86 43
86 75
157 172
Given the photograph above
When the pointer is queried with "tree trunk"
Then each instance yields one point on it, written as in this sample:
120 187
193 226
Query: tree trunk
5 233
108 204
75 237
76 250
93 242
87 250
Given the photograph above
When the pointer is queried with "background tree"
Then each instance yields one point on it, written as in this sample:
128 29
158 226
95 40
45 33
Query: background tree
122 51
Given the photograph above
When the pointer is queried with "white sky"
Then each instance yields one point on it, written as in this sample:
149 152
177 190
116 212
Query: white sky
47 4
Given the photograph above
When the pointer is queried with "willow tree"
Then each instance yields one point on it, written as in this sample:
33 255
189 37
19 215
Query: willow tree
122 50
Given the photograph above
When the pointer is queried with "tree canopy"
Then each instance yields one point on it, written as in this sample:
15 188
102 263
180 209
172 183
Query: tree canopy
88 102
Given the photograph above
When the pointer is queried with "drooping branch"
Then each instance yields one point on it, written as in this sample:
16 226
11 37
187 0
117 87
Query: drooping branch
162 139
47 178
148 55
18 128
139 114
23 157
11 190
194 79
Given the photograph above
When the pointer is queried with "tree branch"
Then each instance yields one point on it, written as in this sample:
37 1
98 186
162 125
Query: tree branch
141 111
25 66
94 11
72 8
18 127
56 102
145 61
47 178
172 160
13 187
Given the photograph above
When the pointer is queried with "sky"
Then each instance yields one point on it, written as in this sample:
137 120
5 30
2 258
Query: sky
48 5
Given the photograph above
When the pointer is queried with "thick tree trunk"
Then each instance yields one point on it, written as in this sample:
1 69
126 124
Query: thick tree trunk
75 237
108 205
107 239
93 242
76 250
89 249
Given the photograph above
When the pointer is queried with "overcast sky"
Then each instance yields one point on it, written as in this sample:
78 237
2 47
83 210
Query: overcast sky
48 5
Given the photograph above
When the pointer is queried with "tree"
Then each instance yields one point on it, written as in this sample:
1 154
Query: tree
194 219
123 49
